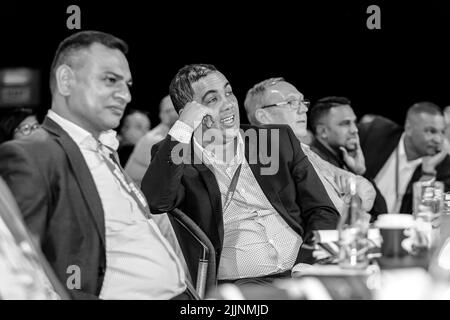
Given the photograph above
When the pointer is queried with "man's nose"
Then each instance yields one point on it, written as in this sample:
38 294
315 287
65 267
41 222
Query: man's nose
227 104
438 138
353 128
302 108
123 94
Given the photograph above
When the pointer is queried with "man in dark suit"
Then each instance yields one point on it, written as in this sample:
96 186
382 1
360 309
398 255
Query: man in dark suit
92 224
397 157
336 140
256 210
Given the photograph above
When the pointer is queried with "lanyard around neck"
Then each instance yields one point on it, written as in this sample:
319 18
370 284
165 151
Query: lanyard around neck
232 188
113 164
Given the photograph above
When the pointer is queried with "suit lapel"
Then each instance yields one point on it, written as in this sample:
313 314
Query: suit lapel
81 173
380 146
213 190
406 205
264 181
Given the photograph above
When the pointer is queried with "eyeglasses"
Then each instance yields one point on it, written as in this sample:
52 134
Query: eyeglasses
27 128
292 104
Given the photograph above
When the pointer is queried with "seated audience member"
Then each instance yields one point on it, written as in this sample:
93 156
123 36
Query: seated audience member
17 123
135 125
257 215
333 123
275 101
367 118
25 274
86 214
447 122
397 157
140 158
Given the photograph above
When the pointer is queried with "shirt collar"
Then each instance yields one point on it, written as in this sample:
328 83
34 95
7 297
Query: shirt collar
82 137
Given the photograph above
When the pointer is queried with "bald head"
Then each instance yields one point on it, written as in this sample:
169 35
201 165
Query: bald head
276 101
424 129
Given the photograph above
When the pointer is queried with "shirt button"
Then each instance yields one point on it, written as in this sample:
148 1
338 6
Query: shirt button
271 241
279 266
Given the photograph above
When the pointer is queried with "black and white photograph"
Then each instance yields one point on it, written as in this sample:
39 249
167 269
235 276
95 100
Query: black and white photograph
223 152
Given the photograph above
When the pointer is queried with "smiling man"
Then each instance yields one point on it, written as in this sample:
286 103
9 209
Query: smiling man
256 222
87 215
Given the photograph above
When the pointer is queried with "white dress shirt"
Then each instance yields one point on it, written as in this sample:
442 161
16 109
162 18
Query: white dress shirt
257 241
140 263
385 179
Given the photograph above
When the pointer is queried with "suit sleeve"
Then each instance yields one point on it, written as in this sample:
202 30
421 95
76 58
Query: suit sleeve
443 173
28 185
161 184
318 211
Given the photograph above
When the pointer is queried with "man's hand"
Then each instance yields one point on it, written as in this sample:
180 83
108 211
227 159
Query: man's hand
193 114
429 163
342 182
355 161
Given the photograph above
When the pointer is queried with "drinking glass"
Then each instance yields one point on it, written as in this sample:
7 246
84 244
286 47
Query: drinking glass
428 204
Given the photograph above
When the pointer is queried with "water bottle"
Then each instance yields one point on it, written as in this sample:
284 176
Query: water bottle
353 228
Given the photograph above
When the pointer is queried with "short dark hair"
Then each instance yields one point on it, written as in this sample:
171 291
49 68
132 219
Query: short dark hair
424 107
10 120
78 41
322 107
180 89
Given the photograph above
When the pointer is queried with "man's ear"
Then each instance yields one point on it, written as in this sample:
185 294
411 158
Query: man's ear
65 78
262 117
408 127
321 131
181 111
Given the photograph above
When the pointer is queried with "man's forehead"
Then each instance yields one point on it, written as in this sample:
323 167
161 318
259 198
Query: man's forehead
282 90
213 81
106 59
430 119
341 112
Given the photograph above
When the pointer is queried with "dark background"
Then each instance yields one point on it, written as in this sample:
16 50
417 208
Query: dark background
322 47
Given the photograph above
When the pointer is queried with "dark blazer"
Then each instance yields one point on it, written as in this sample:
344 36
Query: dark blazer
379 139
55 191
327 155
295 190
379 204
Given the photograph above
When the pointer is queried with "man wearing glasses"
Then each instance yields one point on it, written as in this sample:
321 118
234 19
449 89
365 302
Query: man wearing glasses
276 101
256 222
17 123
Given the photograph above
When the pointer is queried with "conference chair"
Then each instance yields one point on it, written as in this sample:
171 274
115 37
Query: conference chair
203 271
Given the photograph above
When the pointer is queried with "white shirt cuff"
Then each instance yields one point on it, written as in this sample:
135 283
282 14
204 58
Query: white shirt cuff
181 132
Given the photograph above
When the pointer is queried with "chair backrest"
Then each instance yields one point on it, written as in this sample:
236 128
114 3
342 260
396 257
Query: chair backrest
197 249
